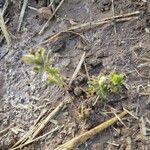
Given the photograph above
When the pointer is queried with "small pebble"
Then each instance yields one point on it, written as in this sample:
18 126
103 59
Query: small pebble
77 91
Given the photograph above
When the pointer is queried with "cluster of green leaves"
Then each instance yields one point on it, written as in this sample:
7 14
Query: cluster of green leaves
102 85
115 81
98 85
40 61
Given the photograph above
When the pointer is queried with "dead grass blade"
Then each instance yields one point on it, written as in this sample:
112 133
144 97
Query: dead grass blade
77 68
5 7
120 119
24 6
86 70
88 134
29 136
36 139
47 119
90 25
4 30
130 113
113 12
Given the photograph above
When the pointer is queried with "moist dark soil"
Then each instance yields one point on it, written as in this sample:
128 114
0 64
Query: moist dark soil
122 46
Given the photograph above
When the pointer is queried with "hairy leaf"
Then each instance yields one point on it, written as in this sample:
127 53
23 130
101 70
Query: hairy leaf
102 85
40 61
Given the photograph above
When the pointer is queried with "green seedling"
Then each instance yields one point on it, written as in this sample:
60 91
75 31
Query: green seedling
115 81
98 85
41 62
103 85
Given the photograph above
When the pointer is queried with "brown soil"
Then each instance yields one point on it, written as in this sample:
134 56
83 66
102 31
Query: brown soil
24 94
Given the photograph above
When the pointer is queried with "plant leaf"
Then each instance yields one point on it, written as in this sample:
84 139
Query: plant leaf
28 59
40 63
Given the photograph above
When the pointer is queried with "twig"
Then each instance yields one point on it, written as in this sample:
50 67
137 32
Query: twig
4 30
22 14
88 134
35 140
77 68
46 24
90 25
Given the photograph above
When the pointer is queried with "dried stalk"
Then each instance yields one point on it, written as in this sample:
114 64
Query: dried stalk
113 12
77 69
22 14
47 119
90 25
4 30
35 140
86 70
5 7
88 134
38 127
131 114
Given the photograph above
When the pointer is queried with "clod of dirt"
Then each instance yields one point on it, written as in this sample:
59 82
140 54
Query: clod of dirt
77 91
94 65
80 79
62 63
44 12
95 62
106 4
58 45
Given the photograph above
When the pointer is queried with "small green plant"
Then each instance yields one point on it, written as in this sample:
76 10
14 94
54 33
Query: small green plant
98 85
102 85
40 62
115 81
